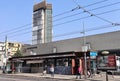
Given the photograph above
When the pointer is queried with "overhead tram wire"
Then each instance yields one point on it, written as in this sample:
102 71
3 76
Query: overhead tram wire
58 15
11 30
91 14
87 17
67 16
17 31
78 32
88 30
19 34
84 12
77 8
101 27
16 28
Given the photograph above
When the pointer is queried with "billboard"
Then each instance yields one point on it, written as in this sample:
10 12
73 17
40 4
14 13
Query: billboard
106 62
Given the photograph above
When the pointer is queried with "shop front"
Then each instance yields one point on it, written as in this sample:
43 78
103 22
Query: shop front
64 63
36 63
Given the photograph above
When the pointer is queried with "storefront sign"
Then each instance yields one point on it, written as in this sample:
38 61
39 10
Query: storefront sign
93 54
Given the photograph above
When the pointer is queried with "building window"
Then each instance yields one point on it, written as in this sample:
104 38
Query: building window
10 44
62 62
50 61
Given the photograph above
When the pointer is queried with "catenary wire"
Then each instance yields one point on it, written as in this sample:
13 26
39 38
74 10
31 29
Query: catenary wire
81 32
86 17
88 10
62 18
17 31
76 8
16 28
91 14
13 29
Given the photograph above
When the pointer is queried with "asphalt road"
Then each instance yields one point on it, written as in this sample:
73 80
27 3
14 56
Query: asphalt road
4 77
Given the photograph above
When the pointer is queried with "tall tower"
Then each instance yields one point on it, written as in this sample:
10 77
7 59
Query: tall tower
42 23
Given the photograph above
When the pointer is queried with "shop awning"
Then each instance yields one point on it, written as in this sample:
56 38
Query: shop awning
45 56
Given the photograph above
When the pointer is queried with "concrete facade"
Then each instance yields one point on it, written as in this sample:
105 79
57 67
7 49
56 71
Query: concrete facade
42 23
12 47
2 52
95 42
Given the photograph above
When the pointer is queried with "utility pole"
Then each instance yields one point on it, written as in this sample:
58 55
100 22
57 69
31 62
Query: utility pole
5 47
84 50
5 56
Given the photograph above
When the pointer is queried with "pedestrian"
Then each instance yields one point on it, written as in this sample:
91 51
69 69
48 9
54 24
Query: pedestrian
13 68
78 73
89 73
52 70
45 70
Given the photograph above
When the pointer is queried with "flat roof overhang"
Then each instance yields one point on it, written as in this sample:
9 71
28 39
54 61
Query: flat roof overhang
44 56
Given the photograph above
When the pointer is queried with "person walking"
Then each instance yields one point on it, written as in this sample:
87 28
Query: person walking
78 73
45 70
89 73
52 70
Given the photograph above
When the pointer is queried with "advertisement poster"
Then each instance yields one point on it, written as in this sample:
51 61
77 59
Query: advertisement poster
106 62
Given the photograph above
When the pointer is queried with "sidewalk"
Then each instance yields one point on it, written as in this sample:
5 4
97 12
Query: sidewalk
70 77
56 76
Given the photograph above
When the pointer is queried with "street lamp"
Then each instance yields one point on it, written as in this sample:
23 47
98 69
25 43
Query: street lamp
105 53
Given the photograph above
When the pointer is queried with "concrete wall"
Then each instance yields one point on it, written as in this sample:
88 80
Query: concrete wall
98 42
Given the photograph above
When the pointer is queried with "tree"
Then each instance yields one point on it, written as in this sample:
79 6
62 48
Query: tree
17 54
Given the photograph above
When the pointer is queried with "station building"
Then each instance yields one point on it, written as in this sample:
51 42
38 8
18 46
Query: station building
66 55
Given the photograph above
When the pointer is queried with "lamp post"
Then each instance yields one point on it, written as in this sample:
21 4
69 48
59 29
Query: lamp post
105 53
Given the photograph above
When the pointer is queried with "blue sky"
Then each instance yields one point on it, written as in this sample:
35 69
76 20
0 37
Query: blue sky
17 13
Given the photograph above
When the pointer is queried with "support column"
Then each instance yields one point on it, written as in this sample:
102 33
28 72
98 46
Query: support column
73 66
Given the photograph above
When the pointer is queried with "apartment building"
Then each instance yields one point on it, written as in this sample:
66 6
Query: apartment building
12 47
2 52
